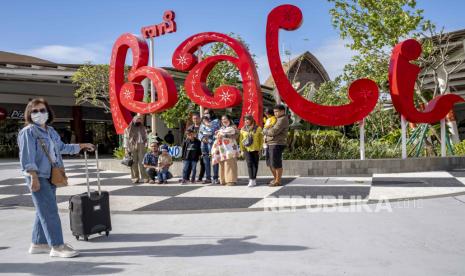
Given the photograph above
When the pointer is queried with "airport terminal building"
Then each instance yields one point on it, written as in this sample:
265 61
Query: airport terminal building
24 77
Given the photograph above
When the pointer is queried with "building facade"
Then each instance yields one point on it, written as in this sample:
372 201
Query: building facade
24 77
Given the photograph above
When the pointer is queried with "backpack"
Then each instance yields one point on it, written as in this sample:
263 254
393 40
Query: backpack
248 140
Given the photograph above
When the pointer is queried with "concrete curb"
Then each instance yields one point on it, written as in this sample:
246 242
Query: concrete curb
332 167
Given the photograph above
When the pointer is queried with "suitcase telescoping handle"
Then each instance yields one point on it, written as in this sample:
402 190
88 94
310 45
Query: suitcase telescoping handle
87 172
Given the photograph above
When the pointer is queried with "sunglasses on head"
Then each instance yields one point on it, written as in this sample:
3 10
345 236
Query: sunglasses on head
42 110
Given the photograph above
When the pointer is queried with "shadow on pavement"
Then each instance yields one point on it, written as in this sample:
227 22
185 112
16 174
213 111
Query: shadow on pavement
4 247
233 246
135 237
61 268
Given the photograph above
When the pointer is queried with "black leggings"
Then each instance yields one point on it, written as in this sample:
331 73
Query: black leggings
252 158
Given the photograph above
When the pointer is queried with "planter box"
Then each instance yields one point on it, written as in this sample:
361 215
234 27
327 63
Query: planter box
330 167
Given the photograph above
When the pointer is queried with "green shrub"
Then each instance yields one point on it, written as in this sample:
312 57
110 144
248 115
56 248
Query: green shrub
392 137
313 138
459 149
345 149
118 153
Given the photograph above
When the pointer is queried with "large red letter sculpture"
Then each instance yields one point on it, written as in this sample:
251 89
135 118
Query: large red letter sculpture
225 96
126 97
402 77
363 93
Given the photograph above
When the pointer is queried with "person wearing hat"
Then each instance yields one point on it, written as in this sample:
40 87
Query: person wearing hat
164 163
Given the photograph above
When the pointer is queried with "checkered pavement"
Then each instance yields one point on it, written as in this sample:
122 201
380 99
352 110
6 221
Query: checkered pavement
296 191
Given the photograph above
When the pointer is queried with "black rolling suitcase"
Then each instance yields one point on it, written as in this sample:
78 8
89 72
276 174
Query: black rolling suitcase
89 213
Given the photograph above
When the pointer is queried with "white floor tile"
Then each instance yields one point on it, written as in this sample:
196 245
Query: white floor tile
74 190
286 202
232 191
435 174
381 193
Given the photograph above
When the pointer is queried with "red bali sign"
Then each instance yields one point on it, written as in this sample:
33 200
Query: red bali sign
225 96
126 97
402 77
363 93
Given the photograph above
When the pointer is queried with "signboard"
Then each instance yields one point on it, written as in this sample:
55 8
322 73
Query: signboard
175 151
17 115
126 97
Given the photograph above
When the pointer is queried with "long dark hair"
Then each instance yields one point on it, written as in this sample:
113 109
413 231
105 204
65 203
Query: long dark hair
30 105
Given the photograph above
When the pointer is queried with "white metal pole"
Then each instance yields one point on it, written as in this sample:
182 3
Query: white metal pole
443 138
200 57
152 89
362 139
403 124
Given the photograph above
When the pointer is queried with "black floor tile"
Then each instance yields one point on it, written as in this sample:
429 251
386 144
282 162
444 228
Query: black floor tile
199 203
25 200
154 190
15 190
13 181
415 182
261 181
319 191
457 173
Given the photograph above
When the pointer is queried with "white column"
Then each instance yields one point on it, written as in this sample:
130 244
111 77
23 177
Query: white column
403 124
152 89
199 58
443 138
362 139
145 85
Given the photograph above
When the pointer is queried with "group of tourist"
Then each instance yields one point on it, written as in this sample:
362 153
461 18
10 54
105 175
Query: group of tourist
214 143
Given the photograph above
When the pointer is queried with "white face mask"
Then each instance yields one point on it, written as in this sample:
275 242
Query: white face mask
39 118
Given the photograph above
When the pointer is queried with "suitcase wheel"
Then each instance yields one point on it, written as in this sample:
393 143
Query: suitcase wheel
86 238
107 233
77 237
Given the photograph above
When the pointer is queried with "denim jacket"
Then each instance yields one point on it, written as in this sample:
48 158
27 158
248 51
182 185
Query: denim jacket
31 155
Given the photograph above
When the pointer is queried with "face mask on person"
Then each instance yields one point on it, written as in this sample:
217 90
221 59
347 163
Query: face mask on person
39 118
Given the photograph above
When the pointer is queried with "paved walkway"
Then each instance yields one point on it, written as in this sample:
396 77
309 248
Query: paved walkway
423 237
296 192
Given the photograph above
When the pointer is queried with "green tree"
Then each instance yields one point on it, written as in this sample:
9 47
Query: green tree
177 115
372 28
92 85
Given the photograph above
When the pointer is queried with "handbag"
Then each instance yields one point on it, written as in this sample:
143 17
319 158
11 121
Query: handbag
58 175
248 140
127 160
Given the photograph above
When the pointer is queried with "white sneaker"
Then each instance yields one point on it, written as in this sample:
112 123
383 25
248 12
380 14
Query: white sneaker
39 248
252 183
63 251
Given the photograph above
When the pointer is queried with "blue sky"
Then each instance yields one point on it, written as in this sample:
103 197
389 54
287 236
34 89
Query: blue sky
81 31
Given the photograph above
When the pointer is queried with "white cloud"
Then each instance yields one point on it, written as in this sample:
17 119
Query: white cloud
333 55
94 53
